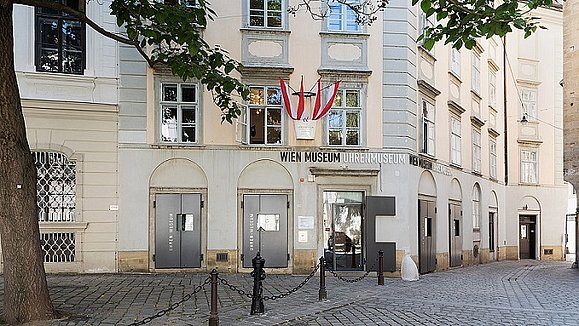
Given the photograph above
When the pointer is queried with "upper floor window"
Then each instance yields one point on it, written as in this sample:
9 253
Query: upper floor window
423 23
493 158
427 130
265 13
476 151
184 3
265 115
342 17
179 113
475 73
455 141
492 89
344 119
455 61
529 166
60 40
529 102
476 213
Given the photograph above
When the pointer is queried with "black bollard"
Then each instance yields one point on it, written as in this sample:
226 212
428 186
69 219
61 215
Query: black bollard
258 275
380 267
322 293
213 316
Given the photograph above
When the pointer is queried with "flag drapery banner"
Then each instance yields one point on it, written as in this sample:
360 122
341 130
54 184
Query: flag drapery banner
318 111
292 111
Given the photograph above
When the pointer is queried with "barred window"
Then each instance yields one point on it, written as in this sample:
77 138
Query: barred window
55 187
58 247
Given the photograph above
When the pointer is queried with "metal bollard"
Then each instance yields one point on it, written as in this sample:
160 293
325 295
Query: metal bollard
258 275
380 267
322 293
213 316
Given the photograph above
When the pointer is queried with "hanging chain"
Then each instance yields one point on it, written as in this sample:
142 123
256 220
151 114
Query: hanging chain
173 306
283 295
353 280
232 287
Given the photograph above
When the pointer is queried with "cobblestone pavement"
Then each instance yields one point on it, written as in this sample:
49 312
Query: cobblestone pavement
502 293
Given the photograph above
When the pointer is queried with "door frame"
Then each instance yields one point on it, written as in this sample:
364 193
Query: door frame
362 188
152 226
451 235
533 219
494 255
363 235
290 229
418 219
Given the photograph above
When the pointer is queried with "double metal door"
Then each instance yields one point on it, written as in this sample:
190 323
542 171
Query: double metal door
265 229
455 234
178 231
426 236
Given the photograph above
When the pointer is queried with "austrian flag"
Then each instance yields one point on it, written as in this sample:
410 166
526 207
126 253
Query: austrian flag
318 111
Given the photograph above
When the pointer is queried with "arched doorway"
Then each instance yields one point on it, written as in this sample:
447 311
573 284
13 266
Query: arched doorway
529 214
455 224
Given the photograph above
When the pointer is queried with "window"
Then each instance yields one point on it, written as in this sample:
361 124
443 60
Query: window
179 113
475 73
265 115
493 158
56 200
423 23
476 151
60 40
241 125
342 18
265 13
344 119
476 207
528 166
427 141
455 61
529 102
492 89
184 3
455 141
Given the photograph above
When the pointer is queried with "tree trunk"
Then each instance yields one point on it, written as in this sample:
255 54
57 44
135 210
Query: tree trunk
26 295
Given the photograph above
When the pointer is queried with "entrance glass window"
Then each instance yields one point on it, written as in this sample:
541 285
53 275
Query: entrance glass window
343 237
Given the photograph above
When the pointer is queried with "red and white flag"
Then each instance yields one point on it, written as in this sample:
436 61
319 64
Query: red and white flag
296 113
318 111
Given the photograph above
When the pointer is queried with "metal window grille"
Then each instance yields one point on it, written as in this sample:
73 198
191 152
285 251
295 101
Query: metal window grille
58 247
56 187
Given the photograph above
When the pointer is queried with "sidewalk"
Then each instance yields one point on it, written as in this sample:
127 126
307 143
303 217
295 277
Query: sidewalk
502 293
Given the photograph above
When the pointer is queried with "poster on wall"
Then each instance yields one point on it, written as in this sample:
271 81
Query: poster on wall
305 222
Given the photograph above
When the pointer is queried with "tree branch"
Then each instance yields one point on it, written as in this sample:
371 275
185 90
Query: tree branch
83 18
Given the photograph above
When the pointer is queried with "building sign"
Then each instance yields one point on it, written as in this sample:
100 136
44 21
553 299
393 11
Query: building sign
429 165
363 158
340 157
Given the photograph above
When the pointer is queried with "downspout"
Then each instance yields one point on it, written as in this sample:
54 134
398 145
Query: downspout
506 147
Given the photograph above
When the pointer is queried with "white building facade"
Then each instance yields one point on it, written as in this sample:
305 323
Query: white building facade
409 159
68 80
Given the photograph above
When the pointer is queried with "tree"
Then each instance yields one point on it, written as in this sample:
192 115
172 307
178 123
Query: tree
164 34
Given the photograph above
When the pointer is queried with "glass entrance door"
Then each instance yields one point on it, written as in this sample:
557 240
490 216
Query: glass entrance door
343 233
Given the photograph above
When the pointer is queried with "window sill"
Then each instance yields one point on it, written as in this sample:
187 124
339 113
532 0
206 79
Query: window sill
346 34
344 148
455 76
477 230
477 173
279 30
62 226
177 146
476 93
455 166
529 184
429 156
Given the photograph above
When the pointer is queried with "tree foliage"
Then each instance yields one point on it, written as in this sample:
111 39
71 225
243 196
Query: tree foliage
462 22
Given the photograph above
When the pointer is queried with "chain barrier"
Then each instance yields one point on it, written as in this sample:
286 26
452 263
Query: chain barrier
232 287
173 306
306 280
353 280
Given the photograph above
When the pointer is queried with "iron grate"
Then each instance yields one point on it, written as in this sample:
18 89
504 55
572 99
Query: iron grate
56 187
58 247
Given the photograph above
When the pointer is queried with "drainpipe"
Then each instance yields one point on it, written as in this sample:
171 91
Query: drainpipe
505 111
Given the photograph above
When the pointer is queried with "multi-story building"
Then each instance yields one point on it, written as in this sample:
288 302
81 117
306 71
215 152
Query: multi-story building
410 159
453 157
68 80
571 70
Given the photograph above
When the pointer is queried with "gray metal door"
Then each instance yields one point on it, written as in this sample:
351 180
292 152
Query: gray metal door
455 232
265 229
178 230
426 236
